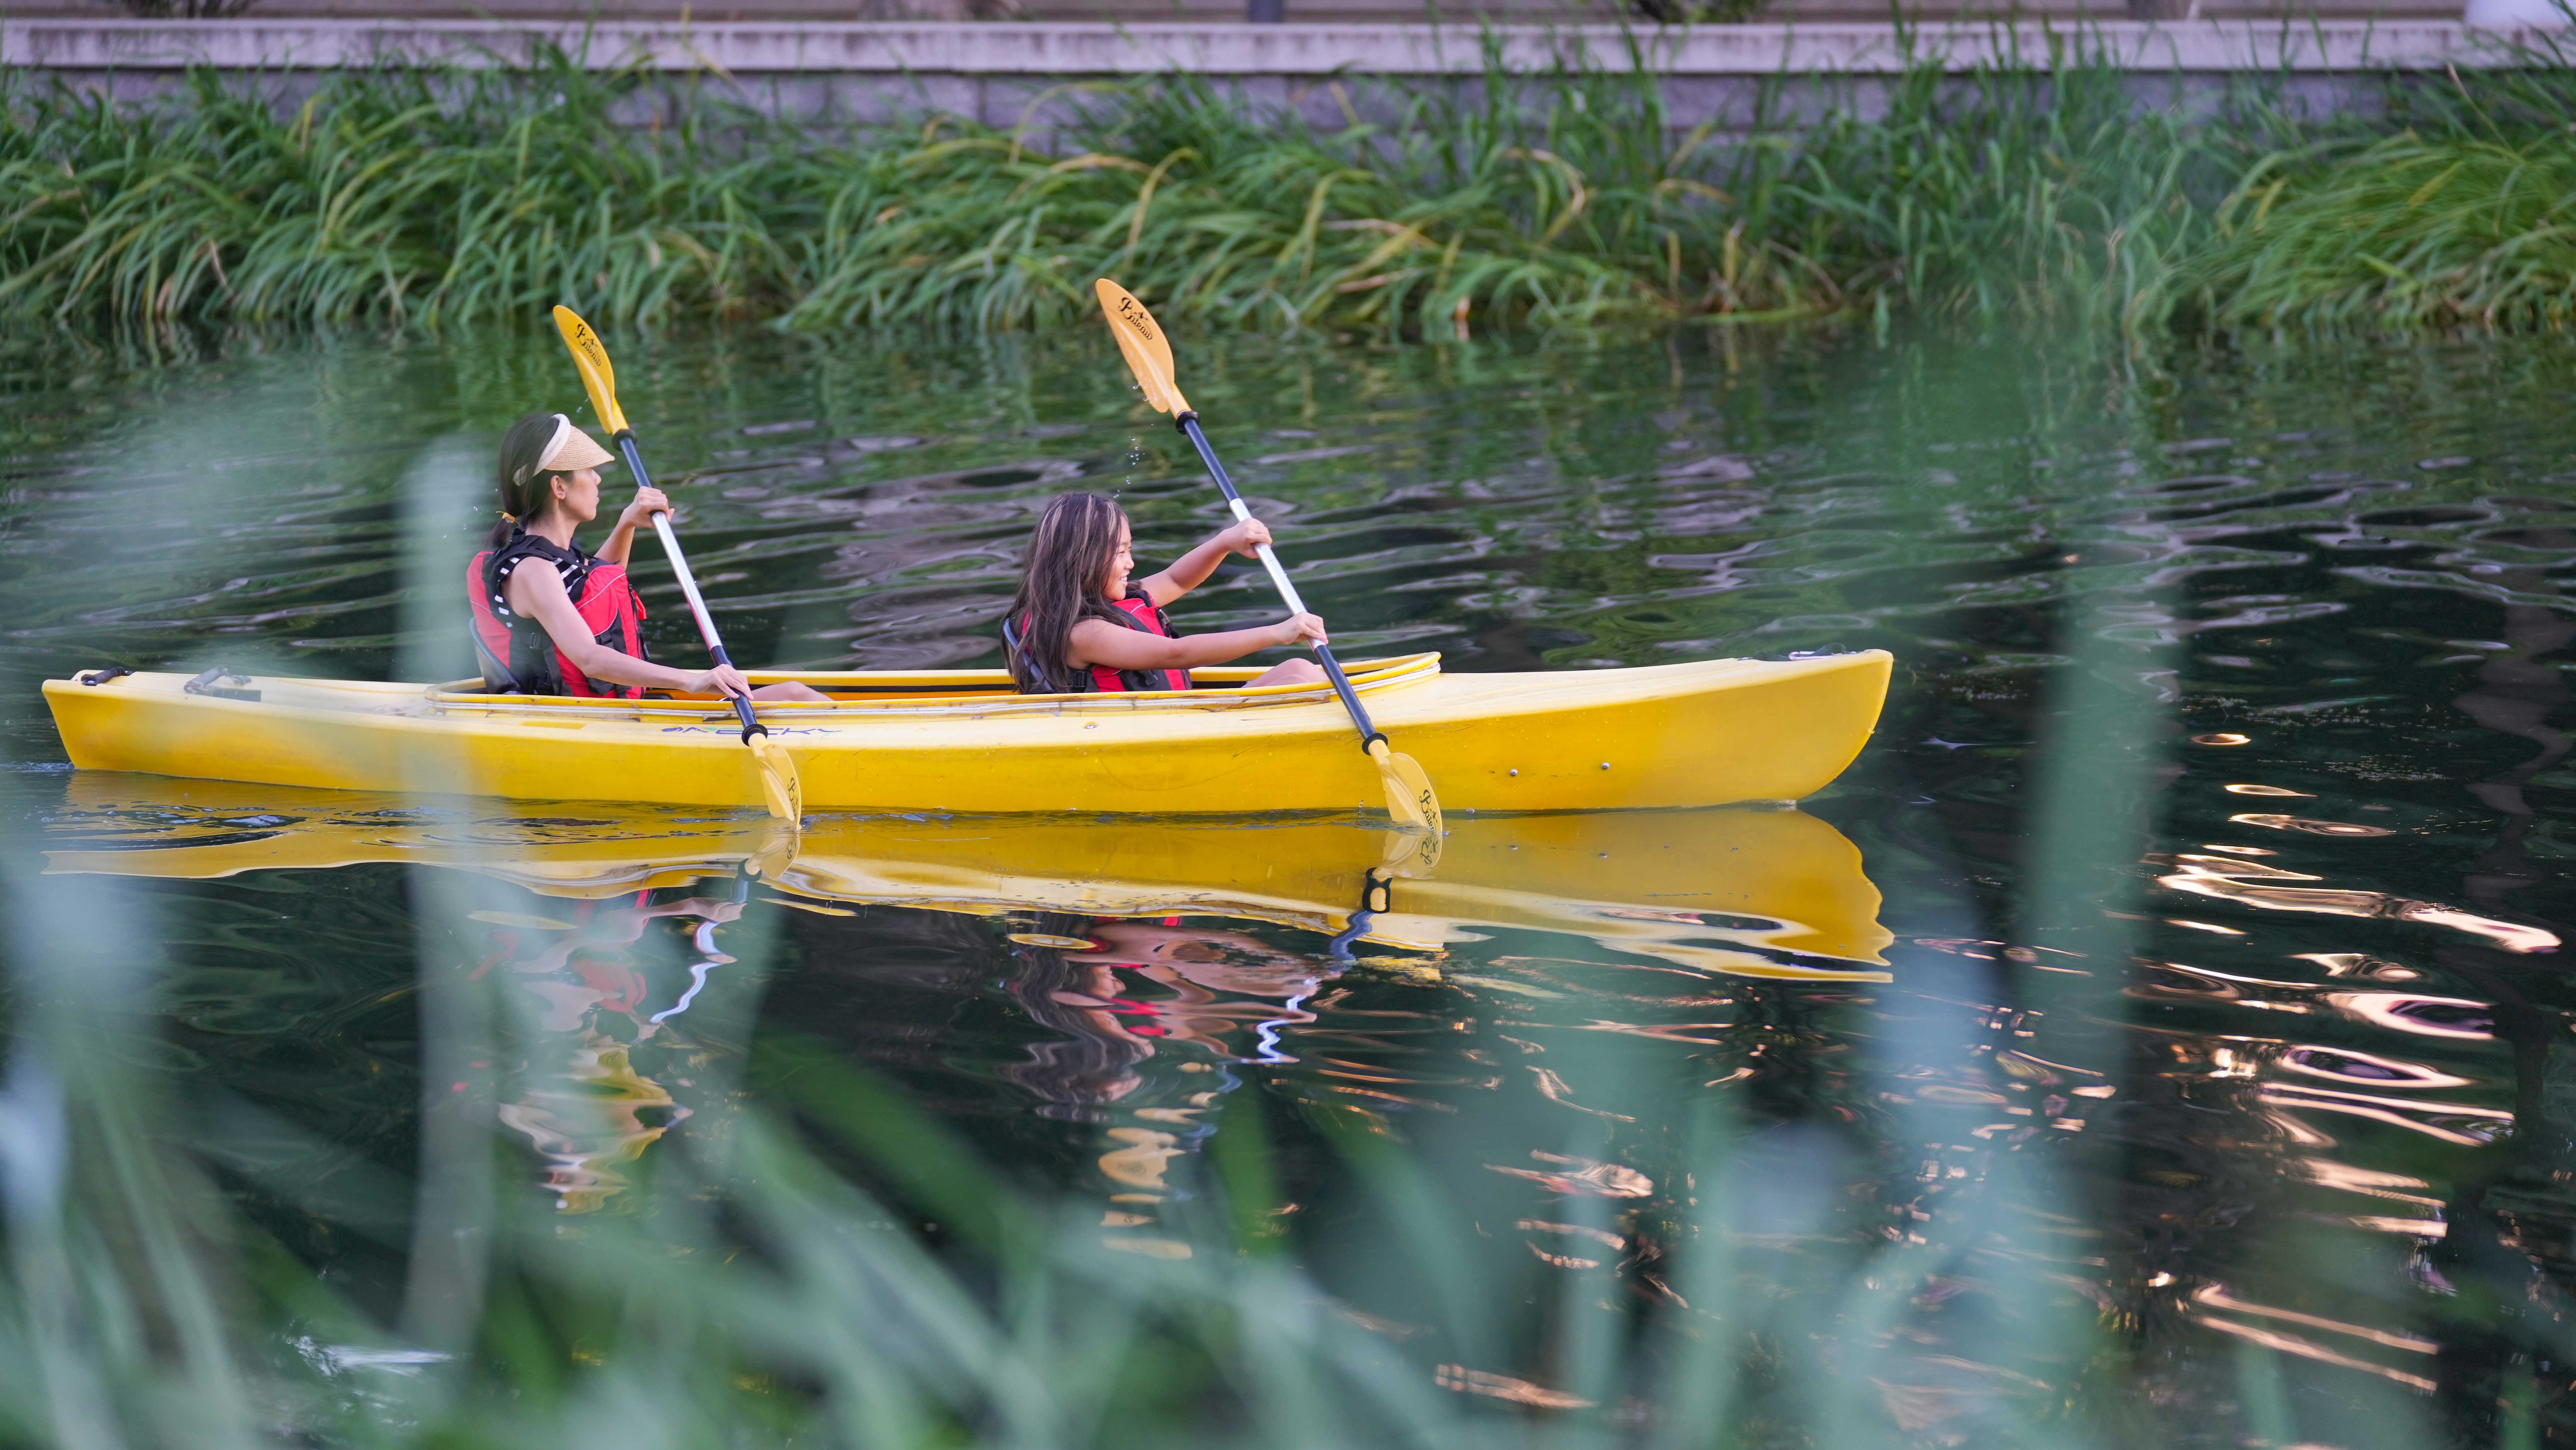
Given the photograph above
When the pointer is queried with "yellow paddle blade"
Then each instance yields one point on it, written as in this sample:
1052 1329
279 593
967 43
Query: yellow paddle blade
1409 853
596 375
1141 342
781 789
777 852
1409 797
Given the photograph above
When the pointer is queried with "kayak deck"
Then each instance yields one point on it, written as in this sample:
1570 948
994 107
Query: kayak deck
939 692
1707 733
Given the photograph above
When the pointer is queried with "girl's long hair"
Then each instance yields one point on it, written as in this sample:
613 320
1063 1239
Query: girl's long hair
1061 585
524 492
1080 1066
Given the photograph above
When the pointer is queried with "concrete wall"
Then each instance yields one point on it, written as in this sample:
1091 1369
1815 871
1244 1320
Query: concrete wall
1311 12
1007 74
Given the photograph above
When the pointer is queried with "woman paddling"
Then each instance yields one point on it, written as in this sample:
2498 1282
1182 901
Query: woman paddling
1079 623
576 627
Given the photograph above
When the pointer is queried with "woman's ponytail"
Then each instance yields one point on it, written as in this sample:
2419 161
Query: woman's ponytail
522 487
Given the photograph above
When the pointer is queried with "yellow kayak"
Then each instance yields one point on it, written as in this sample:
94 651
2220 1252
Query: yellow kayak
1743 891
1701 734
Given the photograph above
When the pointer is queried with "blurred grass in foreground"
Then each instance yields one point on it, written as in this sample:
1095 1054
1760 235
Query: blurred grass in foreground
750 1287
442 198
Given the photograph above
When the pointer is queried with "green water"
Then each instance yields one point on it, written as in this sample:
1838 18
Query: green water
2215 1087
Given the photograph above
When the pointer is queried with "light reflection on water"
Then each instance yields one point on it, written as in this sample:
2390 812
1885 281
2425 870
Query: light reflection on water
2322 1110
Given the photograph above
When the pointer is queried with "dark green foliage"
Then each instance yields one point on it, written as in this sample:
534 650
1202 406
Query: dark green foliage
430 197
446 197
2460 218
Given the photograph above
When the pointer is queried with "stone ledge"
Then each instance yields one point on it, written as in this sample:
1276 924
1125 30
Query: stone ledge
1051 49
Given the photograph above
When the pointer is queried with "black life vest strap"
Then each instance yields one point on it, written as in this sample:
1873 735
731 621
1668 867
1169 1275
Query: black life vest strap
571 565
1011 647
531 667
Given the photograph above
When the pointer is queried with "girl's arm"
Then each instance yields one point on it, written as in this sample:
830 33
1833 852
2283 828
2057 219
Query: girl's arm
1191 569
621 539
1098 642
539 594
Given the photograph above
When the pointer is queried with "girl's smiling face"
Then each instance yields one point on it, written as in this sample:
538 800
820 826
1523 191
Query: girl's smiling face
1122 562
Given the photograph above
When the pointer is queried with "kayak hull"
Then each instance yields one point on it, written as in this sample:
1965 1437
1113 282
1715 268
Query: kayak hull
1710 733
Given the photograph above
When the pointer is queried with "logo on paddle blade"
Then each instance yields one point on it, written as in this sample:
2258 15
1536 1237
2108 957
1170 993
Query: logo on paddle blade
1133 314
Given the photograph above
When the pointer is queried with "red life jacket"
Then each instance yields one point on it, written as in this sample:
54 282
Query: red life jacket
517 654
1136 612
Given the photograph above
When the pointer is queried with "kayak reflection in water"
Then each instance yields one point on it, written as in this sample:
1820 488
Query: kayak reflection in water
1080 622
573 625
1120 991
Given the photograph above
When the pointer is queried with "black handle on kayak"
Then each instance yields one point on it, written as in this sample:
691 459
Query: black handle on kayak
688 584
1188 422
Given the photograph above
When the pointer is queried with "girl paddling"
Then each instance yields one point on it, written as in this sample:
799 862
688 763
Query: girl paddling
572 625
1080 623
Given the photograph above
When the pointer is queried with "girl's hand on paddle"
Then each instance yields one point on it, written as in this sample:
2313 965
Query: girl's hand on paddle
722 680
1246 538
1300 628
648 502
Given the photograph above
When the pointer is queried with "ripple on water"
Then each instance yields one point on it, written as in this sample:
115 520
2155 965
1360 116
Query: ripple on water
2333 580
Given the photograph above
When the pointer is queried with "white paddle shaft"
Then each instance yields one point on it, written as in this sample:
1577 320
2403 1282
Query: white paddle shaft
688 585
1269 561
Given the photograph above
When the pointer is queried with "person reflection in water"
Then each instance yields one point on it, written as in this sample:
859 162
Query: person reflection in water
583 1105
1211 984
1119 993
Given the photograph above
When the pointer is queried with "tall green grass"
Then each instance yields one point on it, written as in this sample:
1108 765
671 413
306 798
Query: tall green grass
449 197
2457 213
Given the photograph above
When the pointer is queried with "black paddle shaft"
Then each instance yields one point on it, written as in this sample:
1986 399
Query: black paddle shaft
1188 423
688 584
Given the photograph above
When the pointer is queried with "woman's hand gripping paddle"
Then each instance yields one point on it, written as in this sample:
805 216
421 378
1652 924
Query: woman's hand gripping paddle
1409 797
779 784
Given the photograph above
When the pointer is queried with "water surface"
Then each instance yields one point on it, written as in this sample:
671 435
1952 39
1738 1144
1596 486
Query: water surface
2173 989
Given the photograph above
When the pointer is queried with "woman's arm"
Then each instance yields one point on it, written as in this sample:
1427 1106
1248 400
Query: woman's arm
621 539
539 595
1192 569
1111 646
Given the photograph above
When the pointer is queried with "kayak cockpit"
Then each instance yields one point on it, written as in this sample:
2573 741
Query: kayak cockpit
978 692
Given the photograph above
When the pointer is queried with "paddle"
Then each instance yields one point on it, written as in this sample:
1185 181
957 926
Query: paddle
1409 797
779 784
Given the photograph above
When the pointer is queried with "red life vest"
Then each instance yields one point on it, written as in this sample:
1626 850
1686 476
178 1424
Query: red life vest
1140 613
517 654
1137 612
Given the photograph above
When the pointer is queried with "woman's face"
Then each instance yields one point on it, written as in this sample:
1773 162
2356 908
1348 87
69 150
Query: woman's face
1122 562
577 495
